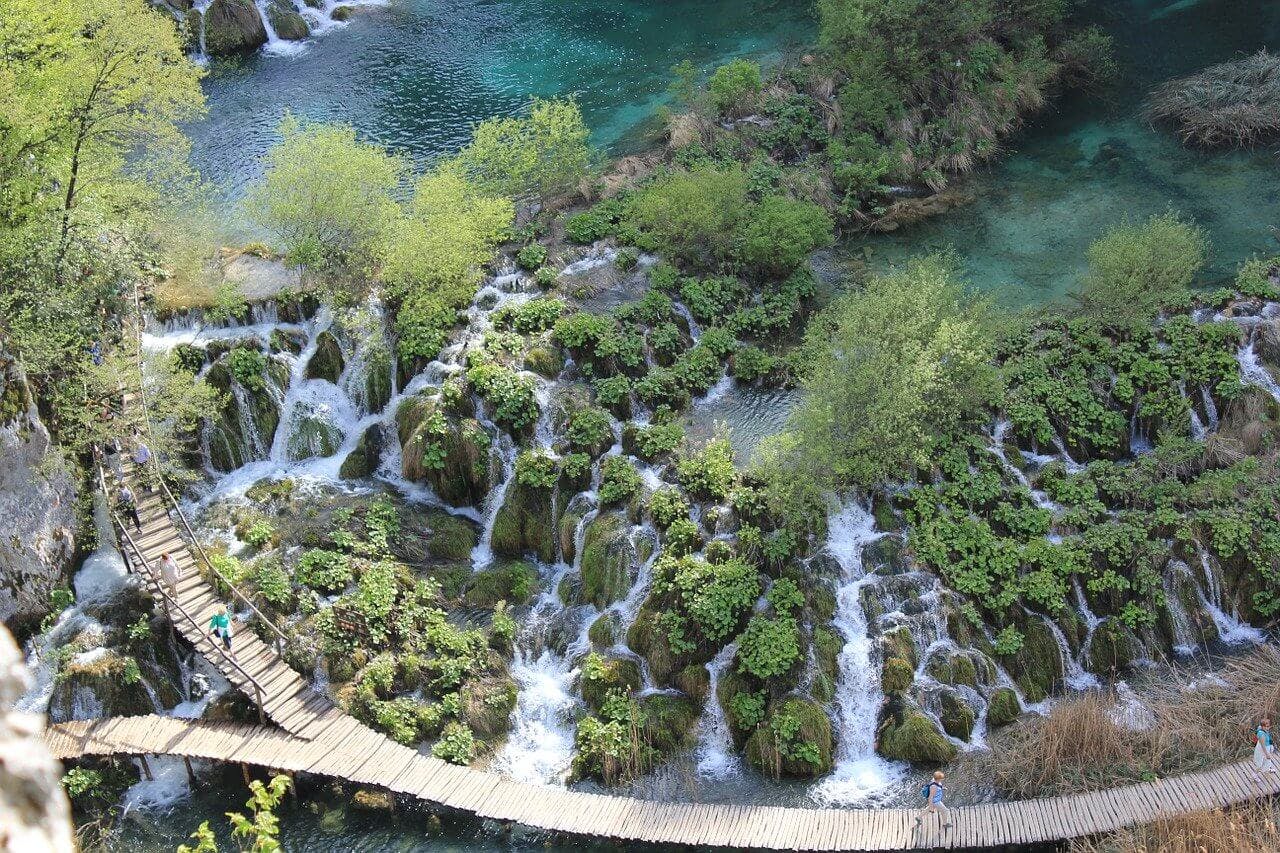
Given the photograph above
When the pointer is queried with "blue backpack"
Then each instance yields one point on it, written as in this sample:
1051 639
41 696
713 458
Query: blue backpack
925 792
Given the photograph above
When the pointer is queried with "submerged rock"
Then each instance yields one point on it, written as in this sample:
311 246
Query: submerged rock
514 582
233 26
1112 648
286 21
363 461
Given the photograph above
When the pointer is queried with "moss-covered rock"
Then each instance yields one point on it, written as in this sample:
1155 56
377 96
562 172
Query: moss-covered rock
363 461
695 682
229 445
916 738
1003 707
452 537
898 643
1111 648
733 684
286 21
544 361
955 668
604 630
99 683
607 558
233 26
827 645
957 715
568 531
647 639
524 524
452 455
670 723
897 676
601 674
513 582
486 705
795 742
326 362
1037 667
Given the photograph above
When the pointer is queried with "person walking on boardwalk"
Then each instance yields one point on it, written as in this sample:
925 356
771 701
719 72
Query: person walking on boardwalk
1264 758
170 572
129 505
933 796
141 460
220 626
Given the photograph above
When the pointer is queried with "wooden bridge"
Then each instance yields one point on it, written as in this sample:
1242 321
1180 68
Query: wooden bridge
310 734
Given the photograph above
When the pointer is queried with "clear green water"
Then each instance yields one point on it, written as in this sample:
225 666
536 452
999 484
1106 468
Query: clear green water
416 74
1092 161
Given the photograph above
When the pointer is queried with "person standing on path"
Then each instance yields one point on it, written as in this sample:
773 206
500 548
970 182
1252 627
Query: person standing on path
130 507
220 626
1264 758
933 795
171 572
141 458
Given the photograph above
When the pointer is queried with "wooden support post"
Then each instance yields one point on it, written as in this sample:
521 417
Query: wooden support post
191 774
146 768
244 768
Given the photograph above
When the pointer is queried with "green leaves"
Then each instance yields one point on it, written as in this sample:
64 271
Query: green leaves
769 647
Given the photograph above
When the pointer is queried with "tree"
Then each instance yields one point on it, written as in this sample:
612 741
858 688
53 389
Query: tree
733 84
693 216
326 196
1135 270
781 233
126 86
544 155
895 367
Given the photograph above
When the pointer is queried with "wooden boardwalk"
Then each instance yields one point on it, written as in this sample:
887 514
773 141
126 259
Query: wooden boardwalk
355 753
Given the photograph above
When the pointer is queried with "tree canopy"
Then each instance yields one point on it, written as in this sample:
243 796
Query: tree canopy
896 365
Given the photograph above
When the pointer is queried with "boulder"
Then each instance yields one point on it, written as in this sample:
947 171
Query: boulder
37 503
451 454
286 21
804 752
603 632
568 530
33 806
363 461
607 560
326 362
514 582
897 676
695 682
99 683
486 705
670 723
915 738
601 675
646 638
524 524
1003 707
343 13
1267 342
1037 667
233 26
957 715
1111 648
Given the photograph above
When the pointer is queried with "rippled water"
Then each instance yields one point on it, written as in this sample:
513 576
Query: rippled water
416 74
1092 161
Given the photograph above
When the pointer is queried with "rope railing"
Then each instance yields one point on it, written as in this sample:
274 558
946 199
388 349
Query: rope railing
134 556
281 637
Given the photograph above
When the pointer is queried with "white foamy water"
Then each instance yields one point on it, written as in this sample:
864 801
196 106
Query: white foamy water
860 775
715 753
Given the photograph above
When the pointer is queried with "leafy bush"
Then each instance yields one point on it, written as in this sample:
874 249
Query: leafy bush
714 596
324 571
612 392
782 233
752 363
260 533
692 216
626 260
666 506
535 470
734 85
589 429
531 256
457 744
619 480
1135 270
708 474
515 405
769 647
248 367
273 582
537 315
655 440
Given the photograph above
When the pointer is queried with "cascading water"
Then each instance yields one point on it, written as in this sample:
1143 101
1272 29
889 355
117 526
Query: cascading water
1231 630
1075 675
860 776
715 755
1252 370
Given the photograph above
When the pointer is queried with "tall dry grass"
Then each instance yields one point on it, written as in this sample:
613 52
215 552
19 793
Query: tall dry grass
1248 829
1081 746
1233 104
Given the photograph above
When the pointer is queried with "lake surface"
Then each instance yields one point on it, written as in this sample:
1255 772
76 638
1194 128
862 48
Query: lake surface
1092 161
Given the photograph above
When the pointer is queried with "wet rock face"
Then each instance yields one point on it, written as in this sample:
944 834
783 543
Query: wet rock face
450 454
233 26
37 503
286 21
34 814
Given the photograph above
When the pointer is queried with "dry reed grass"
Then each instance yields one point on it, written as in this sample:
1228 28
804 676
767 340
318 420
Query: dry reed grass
1235 104
1248 829
1081 746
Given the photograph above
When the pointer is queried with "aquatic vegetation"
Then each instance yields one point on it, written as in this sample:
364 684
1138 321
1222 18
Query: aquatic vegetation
1234 104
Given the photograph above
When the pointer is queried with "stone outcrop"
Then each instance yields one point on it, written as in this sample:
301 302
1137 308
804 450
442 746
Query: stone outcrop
37 503
233 26
286 21
34 814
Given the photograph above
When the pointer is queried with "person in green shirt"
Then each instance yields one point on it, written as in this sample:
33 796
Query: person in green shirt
220 626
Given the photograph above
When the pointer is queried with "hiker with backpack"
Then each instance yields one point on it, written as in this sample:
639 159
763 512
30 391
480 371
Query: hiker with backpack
1264 758
933 794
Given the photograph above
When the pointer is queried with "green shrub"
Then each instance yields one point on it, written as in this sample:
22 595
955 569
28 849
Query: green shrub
769 647
666 506
248 367
657 439
457 744
752 363
734 85
515 405
590 429
692 216
532 256
1135 270
324 571
536 470
626 260
619 480
708 474
782 233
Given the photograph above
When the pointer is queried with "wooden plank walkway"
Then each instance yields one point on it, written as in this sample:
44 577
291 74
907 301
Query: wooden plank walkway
339 752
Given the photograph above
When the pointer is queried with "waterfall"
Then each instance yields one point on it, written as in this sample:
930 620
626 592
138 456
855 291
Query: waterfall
255 446
998 435
715 754
1210 408
1252 370
482 554
860 776
695 331
1075 675
1072 466
1231 630
1184 639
